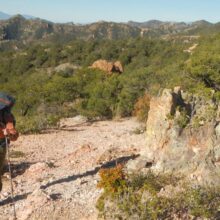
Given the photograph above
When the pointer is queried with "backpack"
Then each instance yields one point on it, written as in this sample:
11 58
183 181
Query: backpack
6 101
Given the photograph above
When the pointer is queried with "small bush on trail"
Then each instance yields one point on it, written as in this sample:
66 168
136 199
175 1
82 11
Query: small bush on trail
142 107
139 197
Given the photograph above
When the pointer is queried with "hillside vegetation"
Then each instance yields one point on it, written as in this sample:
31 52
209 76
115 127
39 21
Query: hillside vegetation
52 80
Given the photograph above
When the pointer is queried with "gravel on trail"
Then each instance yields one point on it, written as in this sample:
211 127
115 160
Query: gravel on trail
56 173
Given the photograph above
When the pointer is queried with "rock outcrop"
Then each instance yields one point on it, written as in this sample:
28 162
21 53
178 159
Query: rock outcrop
108 67
183 136
118 67
65 67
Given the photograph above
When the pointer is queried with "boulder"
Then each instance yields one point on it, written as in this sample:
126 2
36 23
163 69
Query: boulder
37 171
37 168
35 201
118 67
183 136
71 122
108 67
66 66
103 65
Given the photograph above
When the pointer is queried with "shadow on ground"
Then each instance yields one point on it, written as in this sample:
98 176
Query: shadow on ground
16 199
18 168
109 164
69 128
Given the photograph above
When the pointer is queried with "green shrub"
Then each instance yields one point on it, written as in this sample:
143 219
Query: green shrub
16 154
183 119
112 179
139 197
36 124
27 125
149 66
139 130
142 107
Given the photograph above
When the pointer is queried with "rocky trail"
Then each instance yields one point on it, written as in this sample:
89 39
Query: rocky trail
56 173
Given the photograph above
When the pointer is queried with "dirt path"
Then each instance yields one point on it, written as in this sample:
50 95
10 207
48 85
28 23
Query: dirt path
56 173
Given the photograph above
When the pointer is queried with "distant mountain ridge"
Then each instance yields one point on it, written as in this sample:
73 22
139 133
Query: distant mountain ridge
157 24
5 16
18 28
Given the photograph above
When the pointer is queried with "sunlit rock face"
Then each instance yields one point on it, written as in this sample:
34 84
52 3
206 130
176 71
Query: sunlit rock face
183 136
108 67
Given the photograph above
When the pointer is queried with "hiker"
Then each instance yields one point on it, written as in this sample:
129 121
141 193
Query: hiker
7 127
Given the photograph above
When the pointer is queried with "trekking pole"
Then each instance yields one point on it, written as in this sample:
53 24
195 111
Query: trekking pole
10 175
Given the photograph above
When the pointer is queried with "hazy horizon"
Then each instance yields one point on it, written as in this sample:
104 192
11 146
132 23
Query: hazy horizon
89 11
90 22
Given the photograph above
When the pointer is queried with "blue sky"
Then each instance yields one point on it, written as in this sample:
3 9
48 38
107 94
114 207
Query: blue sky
84 11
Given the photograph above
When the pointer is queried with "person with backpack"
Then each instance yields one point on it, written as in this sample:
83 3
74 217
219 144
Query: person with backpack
7 127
